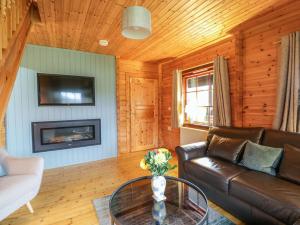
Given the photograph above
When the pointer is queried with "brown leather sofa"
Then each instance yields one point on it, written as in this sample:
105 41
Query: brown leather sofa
254 197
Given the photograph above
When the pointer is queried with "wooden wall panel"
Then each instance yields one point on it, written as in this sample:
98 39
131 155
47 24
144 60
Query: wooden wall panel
262 62
125 70
170 137
253 54
13 35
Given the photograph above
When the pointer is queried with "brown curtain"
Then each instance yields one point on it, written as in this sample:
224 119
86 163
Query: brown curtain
177 107
221 94
287 111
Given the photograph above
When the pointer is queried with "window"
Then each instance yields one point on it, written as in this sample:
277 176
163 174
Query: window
198 95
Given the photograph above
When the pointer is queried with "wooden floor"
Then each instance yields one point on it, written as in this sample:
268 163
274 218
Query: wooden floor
66 194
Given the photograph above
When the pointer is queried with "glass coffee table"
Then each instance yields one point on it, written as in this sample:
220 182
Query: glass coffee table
132 204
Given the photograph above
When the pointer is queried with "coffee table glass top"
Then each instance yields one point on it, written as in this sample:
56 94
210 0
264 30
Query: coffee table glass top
132 204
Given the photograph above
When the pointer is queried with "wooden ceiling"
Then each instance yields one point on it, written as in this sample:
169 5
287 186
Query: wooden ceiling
179 26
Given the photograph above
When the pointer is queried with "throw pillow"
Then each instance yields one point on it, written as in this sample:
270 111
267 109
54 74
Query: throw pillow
226 148
261 158
290 164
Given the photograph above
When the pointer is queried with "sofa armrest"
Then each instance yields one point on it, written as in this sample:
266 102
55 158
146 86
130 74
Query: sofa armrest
191 151
19 166
188 152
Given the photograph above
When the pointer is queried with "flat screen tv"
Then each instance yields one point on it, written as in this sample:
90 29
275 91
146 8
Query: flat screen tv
62 90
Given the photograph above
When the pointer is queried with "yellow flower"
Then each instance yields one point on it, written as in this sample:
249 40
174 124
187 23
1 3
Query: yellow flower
143 164
162 150
160 158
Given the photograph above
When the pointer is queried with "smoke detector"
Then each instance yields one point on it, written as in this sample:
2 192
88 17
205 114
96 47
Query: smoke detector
103 42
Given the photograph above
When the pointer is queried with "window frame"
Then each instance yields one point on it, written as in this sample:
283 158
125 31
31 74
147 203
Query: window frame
199 71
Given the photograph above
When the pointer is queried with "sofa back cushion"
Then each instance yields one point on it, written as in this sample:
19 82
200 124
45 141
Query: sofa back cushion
278 139
252 134
229 149
261 158
290 165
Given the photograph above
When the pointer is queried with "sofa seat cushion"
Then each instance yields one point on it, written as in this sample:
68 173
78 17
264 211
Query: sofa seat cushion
212 171
14 187
274 196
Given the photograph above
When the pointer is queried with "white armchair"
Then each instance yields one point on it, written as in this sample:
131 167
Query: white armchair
21 182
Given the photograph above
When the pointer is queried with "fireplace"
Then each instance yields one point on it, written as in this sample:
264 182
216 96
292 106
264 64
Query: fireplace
55 135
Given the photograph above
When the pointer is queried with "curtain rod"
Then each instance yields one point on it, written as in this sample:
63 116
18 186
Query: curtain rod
194 67
201 65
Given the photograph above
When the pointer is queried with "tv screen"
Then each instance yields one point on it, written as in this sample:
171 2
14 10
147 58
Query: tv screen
65 90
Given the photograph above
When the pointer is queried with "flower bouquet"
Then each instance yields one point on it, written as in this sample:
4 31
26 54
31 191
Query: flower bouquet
157 162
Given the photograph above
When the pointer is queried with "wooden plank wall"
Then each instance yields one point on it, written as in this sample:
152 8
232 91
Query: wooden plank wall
170 137
126 69
15 23
253 54
12 14
261 41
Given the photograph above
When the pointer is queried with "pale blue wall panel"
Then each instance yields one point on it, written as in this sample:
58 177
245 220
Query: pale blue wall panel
23 105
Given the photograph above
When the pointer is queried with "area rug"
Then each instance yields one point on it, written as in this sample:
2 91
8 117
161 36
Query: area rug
102 209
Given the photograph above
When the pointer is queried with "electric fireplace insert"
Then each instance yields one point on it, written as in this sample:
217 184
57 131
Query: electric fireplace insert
55 135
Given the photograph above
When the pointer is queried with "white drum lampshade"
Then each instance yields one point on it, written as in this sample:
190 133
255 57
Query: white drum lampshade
136 23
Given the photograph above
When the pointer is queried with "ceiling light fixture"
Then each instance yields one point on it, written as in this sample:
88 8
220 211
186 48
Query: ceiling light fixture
136 22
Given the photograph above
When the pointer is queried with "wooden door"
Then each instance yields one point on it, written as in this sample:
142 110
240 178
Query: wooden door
143 113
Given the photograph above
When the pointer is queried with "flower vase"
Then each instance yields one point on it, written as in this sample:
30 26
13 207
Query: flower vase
158 184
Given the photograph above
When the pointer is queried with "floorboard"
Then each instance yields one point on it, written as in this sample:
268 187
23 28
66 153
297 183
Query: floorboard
66 193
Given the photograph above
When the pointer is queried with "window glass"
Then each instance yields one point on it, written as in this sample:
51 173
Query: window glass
191 84
191 98
203 83
203 98
198 95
